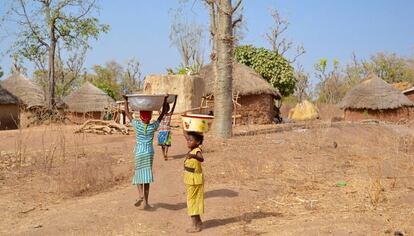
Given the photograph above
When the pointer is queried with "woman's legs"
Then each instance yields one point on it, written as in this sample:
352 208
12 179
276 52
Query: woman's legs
146 194
140 195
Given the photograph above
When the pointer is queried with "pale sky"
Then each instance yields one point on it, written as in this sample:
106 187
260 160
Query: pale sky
327 29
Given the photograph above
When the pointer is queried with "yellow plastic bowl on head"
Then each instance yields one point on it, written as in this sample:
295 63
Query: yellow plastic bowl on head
197 122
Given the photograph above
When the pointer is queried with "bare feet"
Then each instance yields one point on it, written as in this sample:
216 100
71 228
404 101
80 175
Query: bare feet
138 202
148 207
193 230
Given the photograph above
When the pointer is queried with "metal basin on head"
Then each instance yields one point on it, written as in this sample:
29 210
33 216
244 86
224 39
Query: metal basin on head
144 102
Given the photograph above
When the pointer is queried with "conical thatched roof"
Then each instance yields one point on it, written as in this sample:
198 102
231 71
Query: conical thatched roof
25 90
6 97
375 94
88 99
246 81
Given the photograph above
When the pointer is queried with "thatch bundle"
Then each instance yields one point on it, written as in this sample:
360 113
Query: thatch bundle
25 90
375 94
246 81
88 99
6 97
304 111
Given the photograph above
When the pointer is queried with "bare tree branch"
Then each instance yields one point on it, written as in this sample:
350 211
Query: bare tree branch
276 40
22 4
237 6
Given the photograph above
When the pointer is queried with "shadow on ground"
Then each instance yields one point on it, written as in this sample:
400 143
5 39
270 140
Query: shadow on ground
246 218
208 194
178 156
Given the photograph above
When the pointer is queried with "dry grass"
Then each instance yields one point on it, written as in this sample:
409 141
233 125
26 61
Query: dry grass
295 172
81 177
61 157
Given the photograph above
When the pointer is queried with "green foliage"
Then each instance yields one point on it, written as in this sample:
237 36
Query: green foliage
270 65
72 23
189 70
1 72
108 88
391 67
106 78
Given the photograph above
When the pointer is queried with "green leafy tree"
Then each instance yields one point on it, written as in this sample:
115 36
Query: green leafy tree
270 65
391 67
107 78
1 72
44 24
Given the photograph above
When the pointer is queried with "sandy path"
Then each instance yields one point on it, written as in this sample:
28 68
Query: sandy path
113 213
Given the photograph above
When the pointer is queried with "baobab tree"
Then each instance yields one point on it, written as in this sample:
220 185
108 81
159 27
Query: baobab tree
222 57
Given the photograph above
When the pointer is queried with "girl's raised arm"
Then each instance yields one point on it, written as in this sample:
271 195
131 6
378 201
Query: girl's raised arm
175 103
127 113
164 109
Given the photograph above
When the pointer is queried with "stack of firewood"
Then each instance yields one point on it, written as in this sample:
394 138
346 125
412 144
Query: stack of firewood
102 127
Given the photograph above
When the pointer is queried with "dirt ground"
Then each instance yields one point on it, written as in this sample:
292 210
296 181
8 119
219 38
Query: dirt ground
278 182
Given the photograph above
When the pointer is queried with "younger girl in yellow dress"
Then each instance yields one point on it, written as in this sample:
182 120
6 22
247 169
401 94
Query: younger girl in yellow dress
193 178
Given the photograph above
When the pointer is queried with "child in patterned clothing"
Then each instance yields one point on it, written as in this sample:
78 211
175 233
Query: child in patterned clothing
144 151
164 131
193 178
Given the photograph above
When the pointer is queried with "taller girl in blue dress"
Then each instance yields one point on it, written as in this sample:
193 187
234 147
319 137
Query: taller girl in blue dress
144 151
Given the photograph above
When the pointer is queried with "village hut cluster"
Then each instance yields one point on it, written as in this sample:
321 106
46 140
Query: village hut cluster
22 103
255 101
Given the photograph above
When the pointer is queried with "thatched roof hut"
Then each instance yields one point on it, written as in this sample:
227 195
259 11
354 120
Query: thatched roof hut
6 97
25 90
246 81
374 98
9 110
88 98
255 104
375 94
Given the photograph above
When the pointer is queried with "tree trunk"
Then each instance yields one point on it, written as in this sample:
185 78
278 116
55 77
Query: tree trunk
223 104
51 68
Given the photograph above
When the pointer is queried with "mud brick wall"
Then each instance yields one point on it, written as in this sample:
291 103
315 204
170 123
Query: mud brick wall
9 116
255 109
188 88
391 115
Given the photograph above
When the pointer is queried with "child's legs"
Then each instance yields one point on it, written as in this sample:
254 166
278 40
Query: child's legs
140 191
146 193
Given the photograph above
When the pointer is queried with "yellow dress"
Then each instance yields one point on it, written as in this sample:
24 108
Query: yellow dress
193 178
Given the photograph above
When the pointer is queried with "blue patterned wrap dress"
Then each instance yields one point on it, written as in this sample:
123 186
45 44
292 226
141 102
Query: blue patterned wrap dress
144 151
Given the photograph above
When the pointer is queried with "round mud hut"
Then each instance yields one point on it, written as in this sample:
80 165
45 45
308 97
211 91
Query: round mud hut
253 97
30 96
374 98
9 110
88 102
